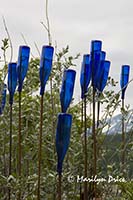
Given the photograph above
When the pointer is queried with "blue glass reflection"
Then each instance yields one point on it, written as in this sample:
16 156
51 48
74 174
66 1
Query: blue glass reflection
85 75
62 137
124 79
67 89
12 80
45 66
22 65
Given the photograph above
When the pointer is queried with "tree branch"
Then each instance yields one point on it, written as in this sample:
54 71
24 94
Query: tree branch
9 38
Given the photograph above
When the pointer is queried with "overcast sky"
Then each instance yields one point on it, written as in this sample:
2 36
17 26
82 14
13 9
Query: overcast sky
76 23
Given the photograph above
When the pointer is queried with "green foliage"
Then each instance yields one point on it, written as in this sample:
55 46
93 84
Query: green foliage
108 146
127 190
5 44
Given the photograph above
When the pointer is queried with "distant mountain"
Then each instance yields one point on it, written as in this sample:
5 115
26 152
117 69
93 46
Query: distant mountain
116 123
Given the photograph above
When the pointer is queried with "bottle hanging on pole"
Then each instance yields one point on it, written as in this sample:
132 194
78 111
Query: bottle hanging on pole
63 131
67 89
101 83
22 68
125 70
95 59
44 73
12 83
85 77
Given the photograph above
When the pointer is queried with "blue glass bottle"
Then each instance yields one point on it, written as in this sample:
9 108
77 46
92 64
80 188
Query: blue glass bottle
45 66
22 65
67 89
3 99
12 80
96 45
98 57
103 76
125 70
63 131
85 75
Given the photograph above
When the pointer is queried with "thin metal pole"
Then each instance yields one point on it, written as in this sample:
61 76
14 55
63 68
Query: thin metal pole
98 117
40 149
10 139
10 150
53 129
98 113
59 186
123 136
94 144
82 113
85 150
19 146
91 167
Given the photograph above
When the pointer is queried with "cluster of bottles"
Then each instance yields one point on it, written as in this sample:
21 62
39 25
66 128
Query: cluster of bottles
95 68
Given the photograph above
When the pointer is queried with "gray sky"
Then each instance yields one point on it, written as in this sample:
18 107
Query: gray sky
76 23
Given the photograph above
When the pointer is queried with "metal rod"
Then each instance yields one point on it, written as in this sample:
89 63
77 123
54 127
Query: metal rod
98 113
19 146
94 144
10 139
85 150
82 113
91 167
53 128
10 150
40 150
59 186
123 136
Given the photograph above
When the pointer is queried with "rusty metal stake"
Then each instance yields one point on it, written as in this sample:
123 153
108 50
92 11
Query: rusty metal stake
40 150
